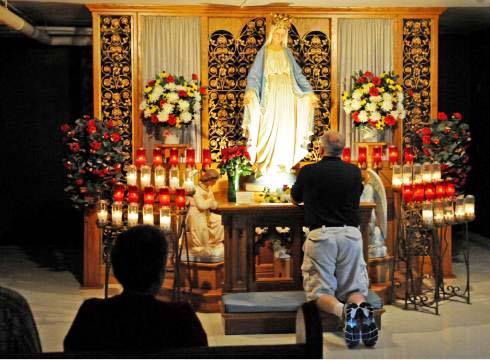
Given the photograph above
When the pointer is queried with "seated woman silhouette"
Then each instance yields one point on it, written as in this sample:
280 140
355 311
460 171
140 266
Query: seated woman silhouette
135 320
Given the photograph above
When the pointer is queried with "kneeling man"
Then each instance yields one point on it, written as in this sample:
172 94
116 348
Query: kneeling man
334 270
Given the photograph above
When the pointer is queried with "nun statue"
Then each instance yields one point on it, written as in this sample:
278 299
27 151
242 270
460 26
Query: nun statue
279 105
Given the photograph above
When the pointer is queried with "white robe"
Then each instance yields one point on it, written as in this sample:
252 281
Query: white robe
206 230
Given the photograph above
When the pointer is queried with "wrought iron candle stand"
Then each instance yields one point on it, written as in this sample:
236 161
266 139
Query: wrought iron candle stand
416 241
110 233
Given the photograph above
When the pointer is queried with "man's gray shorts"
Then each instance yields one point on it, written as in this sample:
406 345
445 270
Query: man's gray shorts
333 263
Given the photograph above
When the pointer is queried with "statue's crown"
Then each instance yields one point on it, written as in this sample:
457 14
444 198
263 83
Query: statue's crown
282 20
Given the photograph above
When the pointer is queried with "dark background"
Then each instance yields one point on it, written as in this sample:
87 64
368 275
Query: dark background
44 87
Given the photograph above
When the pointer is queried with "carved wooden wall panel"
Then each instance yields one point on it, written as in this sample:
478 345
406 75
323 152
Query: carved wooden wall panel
416 75
116 91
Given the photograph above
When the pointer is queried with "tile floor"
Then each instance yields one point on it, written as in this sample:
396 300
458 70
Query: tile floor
461 331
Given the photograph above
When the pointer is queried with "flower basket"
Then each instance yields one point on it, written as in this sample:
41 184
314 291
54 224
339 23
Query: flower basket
171 102
235 162
375 103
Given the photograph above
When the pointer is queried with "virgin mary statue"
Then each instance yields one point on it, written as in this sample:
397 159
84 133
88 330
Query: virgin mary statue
279 105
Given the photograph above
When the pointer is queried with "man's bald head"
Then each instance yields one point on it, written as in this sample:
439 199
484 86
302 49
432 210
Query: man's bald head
333 143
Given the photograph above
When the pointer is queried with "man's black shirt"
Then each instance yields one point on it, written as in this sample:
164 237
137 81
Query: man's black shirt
330 191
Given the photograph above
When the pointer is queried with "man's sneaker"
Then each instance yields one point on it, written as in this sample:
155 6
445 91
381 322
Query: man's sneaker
352 332
369 329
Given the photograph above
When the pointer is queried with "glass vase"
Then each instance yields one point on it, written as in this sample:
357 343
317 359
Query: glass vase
233 184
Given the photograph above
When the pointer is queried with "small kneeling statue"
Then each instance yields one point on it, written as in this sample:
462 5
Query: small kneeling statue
206 230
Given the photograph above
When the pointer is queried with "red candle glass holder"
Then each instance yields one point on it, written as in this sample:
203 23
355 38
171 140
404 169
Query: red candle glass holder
133 194
450 190
164 196
393 155
180 198
157 157
174 157
140 157
206 158
407 193
408 154
430 192
149 195
440 190
190 157
346 154
377 157
118 195
362 156
419 193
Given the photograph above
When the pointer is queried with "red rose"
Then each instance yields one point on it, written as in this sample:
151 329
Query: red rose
362 80
115 137
109 124
113 180
444 167
172 120
151 82
154 119
86 117
247 155
426 139
441 116
182 93
426 131
376 81
79 182
106 136
355 116
95 145
436 141
74 147
202 90
91 130
162 102
195 77
426 151
65 128
410 92
456 136
374 91
170 79
372 122
368 74
117 167
390 120
67 165
457 116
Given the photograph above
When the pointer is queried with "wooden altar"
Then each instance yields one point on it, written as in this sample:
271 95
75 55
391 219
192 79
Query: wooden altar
240 222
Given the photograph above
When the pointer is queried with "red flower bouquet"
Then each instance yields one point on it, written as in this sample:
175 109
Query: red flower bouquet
235 162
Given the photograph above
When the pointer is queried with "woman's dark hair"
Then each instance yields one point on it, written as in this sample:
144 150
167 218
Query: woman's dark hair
139 258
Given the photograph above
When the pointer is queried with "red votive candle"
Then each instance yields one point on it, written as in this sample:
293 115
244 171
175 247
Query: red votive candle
157 157
133 194
140 157
174 157
393 154
118 195
206 158
440 190
407 193
164 196
408 155
419 192
377 156
346 154
190 157
149 195
362 156
450 190
180 198
430 192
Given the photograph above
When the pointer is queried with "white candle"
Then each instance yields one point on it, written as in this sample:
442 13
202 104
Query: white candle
436 172
148 218
438 213
131 175
427 214
459 210
117 214
396 179
102 213
189 186
165 218
159 177
469 207
417 174
427 173
133 215
407 174
448 212
145 176
174 178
